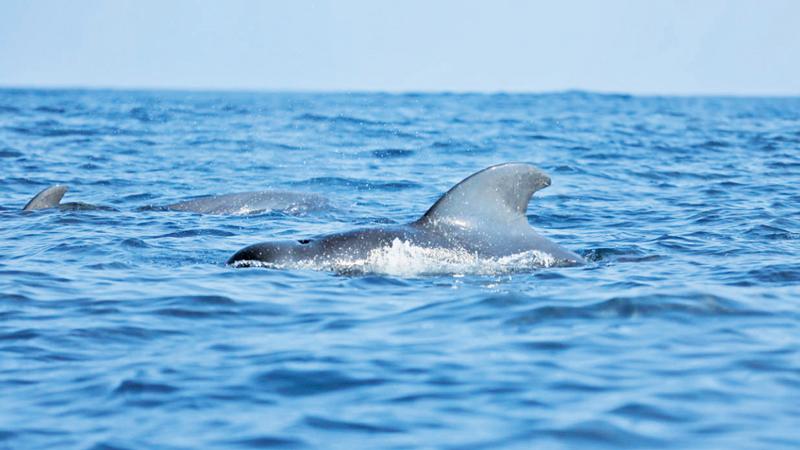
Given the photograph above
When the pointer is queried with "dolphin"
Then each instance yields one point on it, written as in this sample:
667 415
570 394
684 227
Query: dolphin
253 202
483 215
234 204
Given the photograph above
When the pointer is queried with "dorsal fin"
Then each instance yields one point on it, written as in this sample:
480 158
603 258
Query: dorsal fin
48 198
495 195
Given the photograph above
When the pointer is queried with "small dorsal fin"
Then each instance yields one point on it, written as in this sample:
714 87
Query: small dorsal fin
48 198
495 195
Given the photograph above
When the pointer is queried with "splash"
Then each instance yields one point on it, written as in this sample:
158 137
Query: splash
404 259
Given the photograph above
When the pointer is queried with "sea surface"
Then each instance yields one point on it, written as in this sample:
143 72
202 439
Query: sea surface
121 327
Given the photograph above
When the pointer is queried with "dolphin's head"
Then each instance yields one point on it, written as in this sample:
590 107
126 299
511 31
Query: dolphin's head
279 252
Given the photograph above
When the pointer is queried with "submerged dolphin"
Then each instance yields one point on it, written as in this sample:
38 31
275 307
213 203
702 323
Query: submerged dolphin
253 202
238 204
483 215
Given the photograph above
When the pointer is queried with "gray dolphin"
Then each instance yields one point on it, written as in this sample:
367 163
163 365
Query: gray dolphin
254 202
484 216
237 204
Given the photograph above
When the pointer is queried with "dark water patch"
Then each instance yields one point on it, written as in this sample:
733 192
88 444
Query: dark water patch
326 424
75 247
460 147
790 165
32 276
709 216
776 274
601 434
281 146
376 280
20 382
122 333
108 446
391 153
10 297
712 144
568 169
341 324
6 435
302 383
678 242
188 313
215 307
6 109
538 137
215 300
24 181
235 109
544 346
644 411
266 441
50 129
50 109
771 233
604 155
580 387
135 387
9 153
149 115
427 396
26 350
20 335
614 254
195 233
504 301
99 310
59 357
219 141
116 183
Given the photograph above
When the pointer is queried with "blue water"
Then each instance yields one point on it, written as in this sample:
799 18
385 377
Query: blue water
124 328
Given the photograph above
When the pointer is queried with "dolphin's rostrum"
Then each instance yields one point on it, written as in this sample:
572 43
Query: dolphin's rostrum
483 215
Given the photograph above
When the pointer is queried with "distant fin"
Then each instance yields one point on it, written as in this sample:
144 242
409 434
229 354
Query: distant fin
496 195
48 198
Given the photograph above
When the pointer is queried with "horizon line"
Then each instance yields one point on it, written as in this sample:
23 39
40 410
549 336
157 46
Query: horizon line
278 90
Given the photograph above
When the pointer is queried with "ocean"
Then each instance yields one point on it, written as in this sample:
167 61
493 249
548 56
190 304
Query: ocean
121 326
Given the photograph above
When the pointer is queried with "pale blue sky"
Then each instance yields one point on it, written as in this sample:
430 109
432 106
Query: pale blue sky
740 47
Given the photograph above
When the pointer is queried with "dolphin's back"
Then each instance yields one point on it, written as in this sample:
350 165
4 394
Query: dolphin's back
253 202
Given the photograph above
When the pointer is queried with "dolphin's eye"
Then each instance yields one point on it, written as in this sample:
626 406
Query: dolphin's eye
304 241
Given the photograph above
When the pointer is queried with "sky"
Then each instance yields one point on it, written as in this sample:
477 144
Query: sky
733 47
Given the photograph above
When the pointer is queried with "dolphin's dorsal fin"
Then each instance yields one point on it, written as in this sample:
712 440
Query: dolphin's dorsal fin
495 195
48 198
